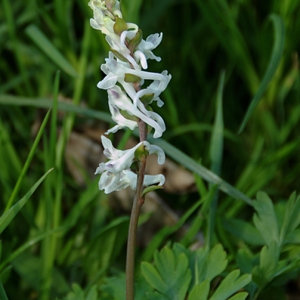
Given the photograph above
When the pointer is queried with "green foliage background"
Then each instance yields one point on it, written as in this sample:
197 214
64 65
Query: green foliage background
66 234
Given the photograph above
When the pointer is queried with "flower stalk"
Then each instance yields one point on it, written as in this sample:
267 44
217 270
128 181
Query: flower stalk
129 100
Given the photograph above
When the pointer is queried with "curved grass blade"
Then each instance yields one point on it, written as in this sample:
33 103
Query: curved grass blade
193 166
216 156
27 162
7 217
3 295
279 32
50 50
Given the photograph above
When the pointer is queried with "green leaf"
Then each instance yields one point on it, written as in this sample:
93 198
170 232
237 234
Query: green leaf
50 50
265 220
28 266
8 216
2 292
216 262
209 265
244 260
269 258
291 218
92 295
115 287
272 67
170 276
156 296
216 144
239 296
243 230
230 285
293 237
200 291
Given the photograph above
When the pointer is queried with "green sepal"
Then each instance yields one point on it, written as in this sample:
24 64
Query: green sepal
150 189
141 153
132 44
126 115
130 78
118 55
119 26
147 98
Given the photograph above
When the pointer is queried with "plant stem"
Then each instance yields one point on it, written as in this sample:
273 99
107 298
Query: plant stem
134 218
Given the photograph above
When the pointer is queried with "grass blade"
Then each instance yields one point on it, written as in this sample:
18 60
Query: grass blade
193 166
27 162
47 103
279 32
216 154
2 293
7 217
50 50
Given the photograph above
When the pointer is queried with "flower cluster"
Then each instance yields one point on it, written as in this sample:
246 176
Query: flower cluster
129 93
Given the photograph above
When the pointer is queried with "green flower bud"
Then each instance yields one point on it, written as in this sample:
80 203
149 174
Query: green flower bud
119 26
118 55
126 115
141 153
132 44
130 78
147 98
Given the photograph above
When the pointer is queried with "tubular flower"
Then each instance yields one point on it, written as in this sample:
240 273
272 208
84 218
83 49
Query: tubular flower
131 90
116 173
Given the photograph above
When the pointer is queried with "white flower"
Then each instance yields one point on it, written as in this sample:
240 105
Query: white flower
116 173
110 182
148 179
118 44
119 102
144 49
115 71
104 16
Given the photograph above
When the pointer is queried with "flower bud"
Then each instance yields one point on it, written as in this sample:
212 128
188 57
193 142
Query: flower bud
119 26
141 153
130 78
133 43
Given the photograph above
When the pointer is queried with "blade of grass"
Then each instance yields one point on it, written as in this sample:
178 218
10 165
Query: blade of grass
47 103
203 172
50 154
8 216
216 154
50 50
11 24
27 162
25 246
2 293
279 37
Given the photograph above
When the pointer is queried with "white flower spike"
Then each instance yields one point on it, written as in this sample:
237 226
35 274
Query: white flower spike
129 98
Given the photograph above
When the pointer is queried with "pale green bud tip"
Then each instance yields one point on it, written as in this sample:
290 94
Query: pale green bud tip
119 26
130 78
141 153
133 43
